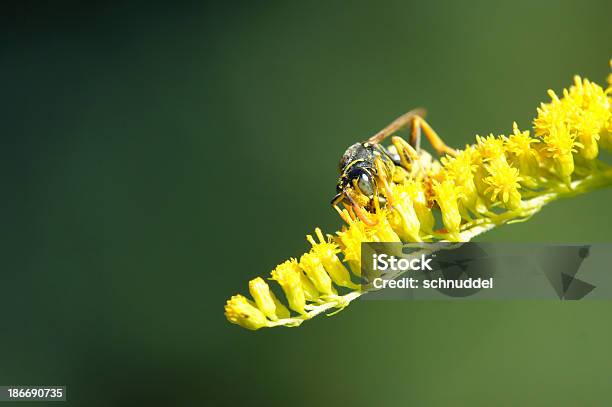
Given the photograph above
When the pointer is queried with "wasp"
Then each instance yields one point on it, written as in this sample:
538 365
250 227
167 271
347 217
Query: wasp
367 168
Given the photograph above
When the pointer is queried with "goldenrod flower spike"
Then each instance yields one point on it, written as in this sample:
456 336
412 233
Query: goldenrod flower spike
495 181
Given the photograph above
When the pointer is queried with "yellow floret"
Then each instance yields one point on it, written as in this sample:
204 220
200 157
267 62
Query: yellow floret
447 195
523 155
327 252
288 276
241 311
504 184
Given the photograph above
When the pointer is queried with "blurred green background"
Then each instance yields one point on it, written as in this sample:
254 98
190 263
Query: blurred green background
156 157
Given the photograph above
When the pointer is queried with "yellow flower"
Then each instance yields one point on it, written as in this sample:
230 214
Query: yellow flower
288 274
523 156
461 169
351 239
490 147
447 194
382 230
240 311
549 115
606 136
559 145
403 218
266 300
327 252
503 184
315 271
417 195
588 110
584 109
606 133
519 142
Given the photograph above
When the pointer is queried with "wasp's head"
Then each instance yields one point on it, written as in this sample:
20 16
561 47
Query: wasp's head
356 186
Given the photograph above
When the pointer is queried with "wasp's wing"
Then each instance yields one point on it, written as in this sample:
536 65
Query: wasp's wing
396 125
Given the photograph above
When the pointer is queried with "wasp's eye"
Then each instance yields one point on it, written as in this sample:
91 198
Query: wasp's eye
364 182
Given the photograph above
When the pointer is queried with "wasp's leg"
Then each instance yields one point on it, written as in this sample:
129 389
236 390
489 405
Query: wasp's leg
419 123
415 136
344 214
362 215
354 211
392 153
407 153
382 178
398 173
396 125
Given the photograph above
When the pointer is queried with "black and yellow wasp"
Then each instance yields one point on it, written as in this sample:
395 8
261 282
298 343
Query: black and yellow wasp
366 168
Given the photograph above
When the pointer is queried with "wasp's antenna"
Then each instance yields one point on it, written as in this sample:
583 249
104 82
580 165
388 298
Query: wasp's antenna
337 199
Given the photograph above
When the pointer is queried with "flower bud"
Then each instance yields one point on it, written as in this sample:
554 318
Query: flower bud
240 311
264 298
